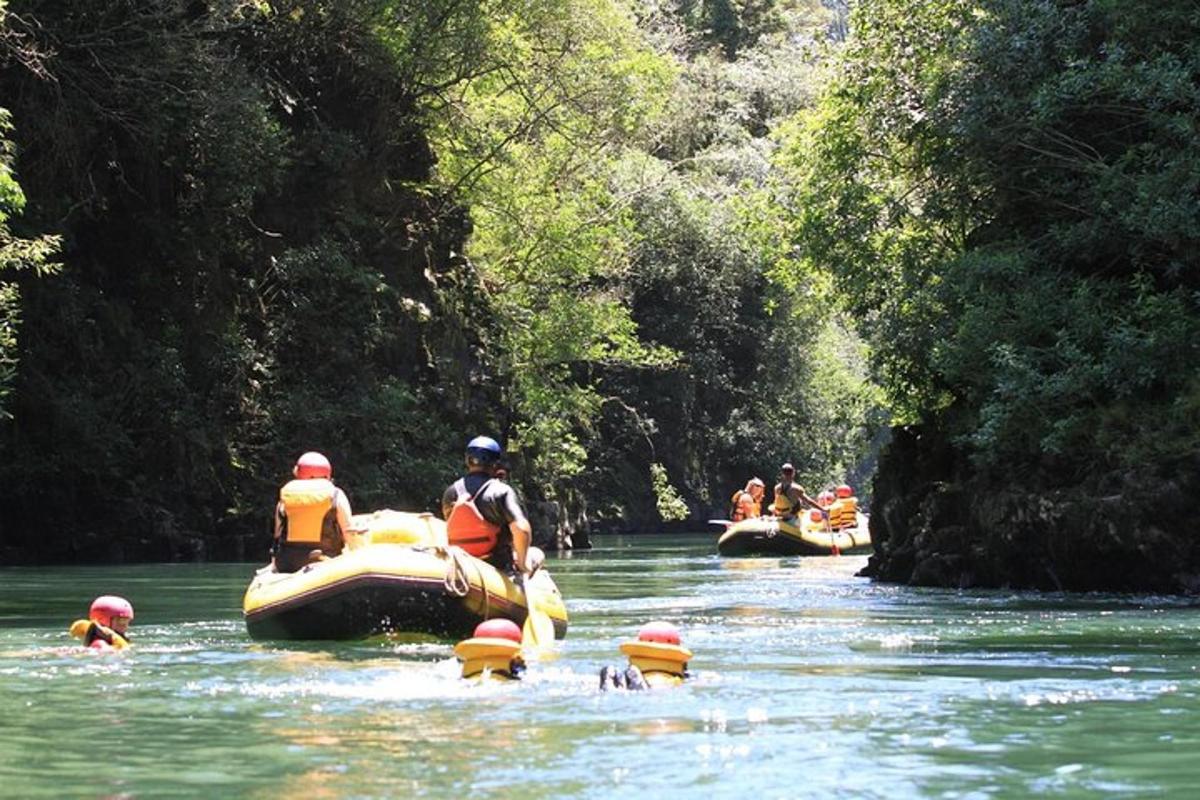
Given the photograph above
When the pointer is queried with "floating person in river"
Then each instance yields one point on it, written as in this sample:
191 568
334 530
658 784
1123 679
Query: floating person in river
493 652
790 496
312 517
484 515
656 659
747 503
107 625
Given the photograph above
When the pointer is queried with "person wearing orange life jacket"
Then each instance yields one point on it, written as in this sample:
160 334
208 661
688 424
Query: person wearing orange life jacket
107 625
312 516
844 512
747 503
789 495
484 515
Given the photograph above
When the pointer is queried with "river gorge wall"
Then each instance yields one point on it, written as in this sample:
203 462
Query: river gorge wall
935 522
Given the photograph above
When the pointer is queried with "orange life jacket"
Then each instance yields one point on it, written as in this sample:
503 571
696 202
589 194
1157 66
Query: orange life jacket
469 529
308 513
744 506
736 512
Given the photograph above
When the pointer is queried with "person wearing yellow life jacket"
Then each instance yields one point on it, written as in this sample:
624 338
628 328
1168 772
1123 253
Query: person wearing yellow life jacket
844 512
493 651
312 516
657 659
107 625
790 496
747 503
484 515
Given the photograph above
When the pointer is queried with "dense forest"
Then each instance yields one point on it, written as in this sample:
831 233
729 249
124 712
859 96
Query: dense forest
379 228
654 246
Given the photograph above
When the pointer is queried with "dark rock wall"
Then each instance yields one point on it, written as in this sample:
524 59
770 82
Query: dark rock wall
935 523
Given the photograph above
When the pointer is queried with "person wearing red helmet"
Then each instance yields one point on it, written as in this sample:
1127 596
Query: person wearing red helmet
657 659
107 625
311 517
484 515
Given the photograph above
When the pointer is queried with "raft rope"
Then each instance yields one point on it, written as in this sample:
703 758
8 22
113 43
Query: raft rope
458 582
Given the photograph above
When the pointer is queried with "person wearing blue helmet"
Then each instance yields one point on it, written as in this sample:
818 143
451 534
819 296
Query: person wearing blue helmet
483 514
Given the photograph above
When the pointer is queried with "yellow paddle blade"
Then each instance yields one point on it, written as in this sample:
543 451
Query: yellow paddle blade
538 630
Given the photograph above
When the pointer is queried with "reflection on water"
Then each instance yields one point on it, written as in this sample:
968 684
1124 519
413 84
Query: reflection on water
806 681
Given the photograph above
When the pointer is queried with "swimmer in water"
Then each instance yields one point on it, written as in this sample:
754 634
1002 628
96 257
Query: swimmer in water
107 625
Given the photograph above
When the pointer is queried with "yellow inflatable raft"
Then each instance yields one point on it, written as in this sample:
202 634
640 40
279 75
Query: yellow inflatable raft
396 576
801 536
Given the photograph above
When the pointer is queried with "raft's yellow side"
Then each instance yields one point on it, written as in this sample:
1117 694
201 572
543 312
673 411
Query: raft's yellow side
405 554
799 536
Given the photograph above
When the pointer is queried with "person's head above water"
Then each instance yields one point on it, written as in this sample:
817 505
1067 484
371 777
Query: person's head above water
111 612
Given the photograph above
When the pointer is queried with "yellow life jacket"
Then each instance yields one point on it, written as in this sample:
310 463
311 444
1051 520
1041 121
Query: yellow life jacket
486 656
784 507
308 508
844 513
660 663
90 631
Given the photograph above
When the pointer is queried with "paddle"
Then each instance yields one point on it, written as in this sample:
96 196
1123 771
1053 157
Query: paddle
725 522
829 530
538 630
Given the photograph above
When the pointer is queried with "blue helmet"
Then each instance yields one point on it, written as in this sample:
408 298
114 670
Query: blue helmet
483 450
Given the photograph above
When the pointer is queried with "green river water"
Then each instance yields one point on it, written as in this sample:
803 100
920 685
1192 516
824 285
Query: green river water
807 681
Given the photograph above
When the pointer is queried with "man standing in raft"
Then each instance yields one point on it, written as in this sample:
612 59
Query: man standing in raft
312 516
483 515
789 495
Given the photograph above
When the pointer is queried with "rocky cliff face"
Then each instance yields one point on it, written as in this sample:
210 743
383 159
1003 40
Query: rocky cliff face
936 523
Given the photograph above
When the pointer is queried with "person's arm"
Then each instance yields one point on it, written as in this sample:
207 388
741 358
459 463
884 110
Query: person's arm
522 534
275 541
448 498
811 503
342 503
518 526
345 519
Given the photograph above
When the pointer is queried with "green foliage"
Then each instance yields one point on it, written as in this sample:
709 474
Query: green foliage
1021 253
667 500
376 227
16 254
533 147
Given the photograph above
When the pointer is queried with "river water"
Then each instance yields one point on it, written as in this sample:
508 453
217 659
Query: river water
807 681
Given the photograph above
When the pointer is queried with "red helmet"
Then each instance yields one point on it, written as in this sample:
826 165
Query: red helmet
844 491
825 498
498 629
106 607
312 465
815 515
661 632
